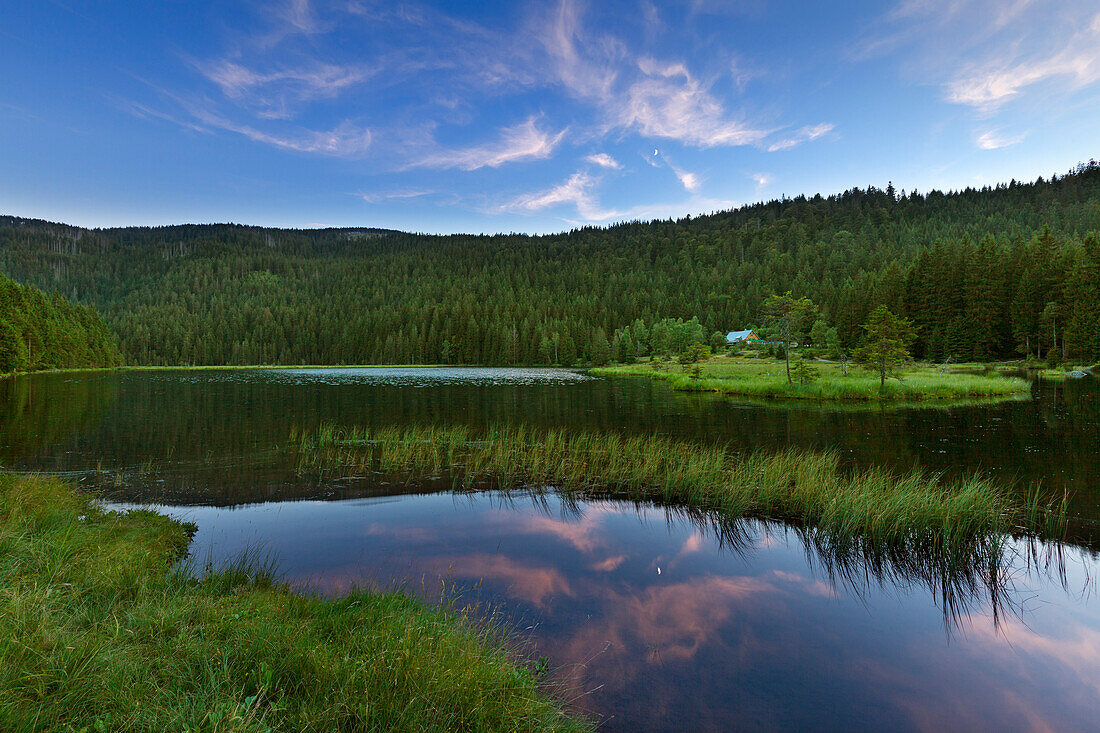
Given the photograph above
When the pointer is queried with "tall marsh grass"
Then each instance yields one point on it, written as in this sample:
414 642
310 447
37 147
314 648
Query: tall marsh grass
912 510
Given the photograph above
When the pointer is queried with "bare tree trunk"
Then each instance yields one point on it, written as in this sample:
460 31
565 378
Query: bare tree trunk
787 351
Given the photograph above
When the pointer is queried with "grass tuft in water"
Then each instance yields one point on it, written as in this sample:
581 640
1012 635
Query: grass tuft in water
98 632
916 510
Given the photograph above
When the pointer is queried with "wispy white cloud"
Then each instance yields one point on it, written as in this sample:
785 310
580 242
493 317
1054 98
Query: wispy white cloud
761 179
145 112
452 64
669 210
524 141
998 12
377 197
654 98
585 67
275 93
315 80
966 23
1077 60
742 74
690 181
993 139
985 53
577 191
668 102
343 141
299 15
287 19
604 161
805 134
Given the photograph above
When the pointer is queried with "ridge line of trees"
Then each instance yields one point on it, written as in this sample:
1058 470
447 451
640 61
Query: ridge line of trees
997 272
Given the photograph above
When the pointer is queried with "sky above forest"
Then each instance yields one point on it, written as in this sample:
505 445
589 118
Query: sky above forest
526 116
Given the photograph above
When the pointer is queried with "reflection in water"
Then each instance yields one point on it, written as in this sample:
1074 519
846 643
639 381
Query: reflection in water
659 618
223 430
37 414
653 618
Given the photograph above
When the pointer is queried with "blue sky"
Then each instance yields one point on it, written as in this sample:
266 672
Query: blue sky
526 116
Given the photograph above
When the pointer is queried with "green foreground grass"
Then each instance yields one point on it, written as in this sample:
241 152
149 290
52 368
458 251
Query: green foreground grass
915 511
768 380
99 633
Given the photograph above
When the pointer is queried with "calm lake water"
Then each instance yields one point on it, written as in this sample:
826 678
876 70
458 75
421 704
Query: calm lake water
651 618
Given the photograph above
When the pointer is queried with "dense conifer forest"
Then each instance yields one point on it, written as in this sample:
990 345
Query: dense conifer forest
45 331
997 272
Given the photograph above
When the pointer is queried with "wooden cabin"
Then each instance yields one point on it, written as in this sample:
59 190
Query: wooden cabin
741 337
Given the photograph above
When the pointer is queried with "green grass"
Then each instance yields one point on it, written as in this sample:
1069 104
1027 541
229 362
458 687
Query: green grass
768 380
1060 374
98 632
916 510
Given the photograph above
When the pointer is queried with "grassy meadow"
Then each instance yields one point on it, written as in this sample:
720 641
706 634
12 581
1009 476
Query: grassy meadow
916 511
100 632
767 379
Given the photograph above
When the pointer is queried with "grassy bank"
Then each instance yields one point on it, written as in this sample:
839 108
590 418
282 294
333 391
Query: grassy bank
768 380
97 632
915 511
1062 374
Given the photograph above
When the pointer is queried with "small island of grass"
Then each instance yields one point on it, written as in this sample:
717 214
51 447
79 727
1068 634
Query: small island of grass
878 369
767 379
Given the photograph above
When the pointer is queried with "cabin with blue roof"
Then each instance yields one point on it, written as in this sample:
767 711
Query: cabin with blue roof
741 337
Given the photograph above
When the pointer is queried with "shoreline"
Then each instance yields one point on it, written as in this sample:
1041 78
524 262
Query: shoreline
767 381
101 629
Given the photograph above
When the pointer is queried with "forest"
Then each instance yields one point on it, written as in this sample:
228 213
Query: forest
45 331
999 272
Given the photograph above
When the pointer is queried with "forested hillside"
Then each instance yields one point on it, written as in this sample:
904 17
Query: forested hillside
45 331
995 272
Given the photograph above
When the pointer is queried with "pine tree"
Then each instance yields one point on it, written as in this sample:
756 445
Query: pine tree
886 343
1083 302
13 351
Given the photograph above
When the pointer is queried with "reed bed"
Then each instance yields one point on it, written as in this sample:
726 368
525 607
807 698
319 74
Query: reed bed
751 380
913 510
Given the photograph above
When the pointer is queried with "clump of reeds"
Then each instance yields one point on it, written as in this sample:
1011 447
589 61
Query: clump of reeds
1049 519
915 509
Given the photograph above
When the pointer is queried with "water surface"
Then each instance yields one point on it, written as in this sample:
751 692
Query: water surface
651 618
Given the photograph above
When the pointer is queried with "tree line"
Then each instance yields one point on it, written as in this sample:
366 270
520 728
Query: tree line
45 331
991 273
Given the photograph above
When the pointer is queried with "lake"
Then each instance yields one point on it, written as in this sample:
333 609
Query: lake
651 617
